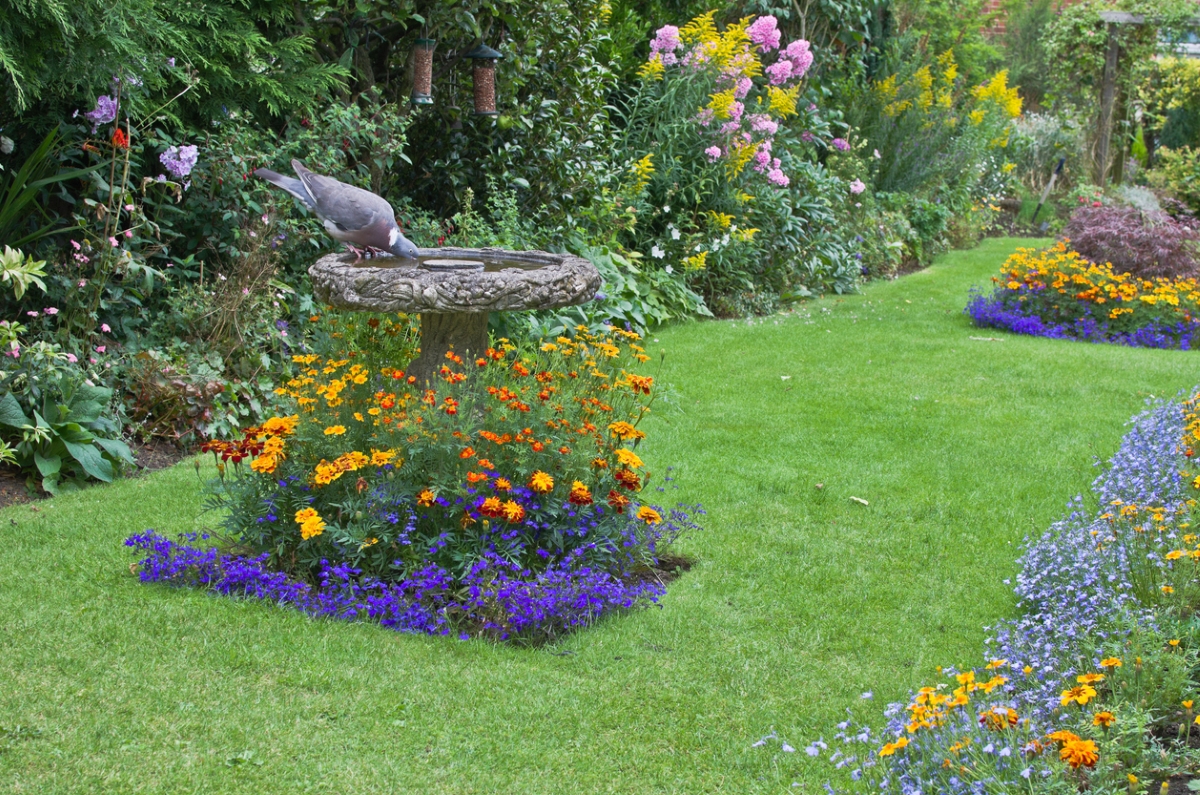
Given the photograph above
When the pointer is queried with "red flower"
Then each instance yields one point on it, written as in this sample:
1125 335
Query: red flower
120 139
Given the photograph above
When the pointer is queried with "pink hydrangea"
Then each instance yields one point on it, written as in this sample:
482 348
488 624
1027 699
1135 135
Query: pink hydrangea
713 152
778 177
840 144
857 187
764 32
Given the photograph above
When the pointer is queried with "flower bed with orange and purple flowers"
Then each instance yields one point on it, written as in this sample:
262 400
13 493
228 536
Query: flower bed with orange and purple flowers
1092 687
1058 293
506 500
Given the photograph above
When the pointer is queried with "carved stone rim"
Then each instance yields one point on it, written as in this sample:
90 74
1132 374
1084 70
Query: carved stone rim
557 280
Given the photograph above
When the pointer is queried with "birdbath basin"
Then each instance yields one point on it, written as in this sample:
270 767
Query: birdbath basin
453 289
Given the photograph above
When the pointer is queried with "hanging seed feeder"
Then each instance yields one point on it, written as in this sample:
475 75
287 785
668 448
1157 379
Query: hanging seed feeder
423 72
483 77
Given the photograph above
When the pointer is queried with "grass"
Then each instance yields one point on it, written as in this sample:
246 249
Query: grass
962 441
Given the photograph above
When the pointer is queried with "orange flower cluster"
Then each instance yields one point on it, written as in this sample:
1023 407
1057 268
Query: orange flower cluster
1068 274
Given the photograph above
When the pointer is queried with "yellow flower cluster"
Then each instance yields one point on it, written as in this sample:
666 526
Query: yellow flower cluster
924 90
328 471
642 171
999 93
1067 272
311 523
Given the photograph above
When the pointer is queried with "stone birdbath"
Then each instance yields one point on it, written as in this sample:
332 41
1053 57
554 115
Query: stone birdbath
453 289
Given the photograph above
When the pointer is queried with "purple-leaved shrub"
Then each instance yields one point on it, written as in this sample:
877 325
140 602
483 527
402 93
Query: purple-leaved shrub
1144 244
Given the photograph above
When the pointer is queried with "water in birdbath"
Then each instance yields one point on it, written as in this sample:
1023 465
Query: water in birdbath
441 262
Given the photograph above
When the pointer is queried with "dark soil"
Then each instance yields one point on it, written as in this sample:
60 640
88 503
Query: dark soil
1178 785
153 455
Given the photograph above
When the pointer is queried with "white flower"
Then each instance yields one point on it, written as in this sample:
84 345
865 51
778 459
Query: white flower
667 208
674 233
6 145
669 269
657 252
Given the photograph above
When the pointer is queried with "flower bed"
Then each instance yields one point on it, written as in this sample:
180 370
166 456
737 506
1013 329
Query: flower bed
1057 293
506 500
1092 687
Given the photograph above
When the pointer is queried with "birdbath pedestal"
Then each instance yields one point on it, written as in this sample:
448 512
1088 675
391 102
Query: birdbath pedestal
453 289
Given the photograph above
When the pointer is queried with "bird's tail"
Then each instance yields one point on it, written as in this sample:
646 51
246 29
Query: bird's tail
290 184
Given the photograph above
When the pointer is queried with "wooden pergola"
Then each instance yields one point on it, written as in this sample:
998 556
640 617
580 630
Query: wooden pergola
1108 92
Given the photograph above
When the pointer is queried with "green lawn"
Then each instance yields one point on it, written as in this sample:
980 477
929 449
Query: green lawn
801 599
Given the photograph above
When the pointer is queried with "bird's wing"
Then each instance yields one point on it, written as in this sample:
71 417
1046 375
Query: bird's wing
350 208
290 184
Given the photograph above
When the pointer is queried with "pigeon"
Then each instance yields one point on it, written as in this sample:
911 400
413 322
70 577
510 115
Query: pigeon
363 221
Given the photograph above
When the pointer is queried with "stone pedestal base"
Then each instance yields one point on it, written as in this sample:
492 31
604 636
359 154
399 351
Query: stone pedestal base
466 333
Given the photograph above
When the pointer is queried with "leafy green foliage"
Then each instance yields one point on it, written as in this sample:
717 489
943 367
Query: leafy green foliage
21 271
247 55
64 426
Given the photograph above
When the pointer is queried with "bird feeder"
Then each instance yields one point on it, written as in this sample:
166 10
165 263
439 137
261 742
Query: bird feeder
423 72
483 77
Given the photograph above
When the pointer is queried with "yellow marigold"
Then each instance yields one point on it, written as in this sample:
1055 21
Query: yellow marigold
1089 679
1079 753
382 457
624 431
541 482
335 430
649 515
892 748
628 458
264 464
1080 694
1104 719
281 426
425 498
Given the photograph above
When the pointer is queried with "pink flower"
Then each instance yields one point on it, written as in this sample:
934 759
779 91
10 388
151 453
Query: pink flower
75 243
128 208
72 358
806 136
666 42
705 117
32 313
245 291
82 283
857 187
713 152
743 88
799 53
730 127
760 122
104 327
840 144
765 33
101 348
736 110
128 233
51 310
779 72
778 177
93 359
114 242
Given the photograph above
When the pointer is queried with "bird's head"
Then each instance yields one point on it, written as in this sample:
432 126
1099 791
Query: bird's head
401 246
